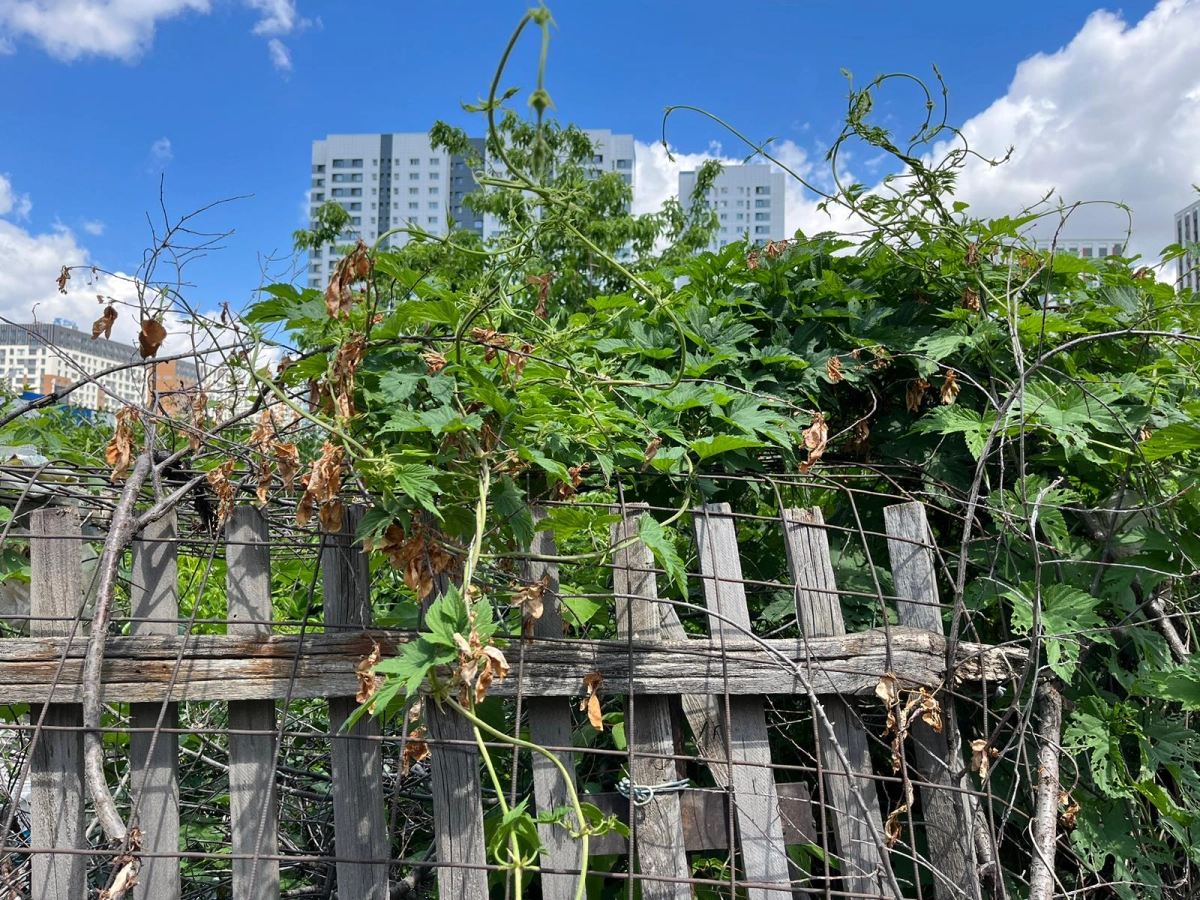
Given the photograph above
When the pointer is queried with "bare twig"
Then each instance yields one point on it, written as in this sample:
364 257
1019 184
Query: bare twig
1045 823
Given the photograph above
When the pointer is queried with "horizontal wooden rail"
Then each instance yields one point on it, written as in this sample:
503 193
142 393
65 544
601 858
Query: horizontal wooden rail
140 669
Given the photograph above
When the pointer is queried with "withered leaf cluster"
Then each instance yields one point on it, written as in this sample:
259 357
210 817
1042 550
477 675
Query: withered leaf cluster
339 295
321 486
120 450
421 556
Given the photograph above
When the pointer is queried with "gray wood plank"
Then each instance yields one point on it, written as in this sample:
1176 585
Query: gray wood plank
820 613
154 755
947 806
56 769
457 805
360 832
227 667
748 771
550 724
658 826
253 805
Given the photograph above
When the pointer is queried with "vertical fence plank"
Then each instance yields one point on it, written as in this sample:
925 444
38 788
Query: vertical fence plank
252 801
760 831
657 826
360 832
155 778
820 612
56 769
550 726
947 806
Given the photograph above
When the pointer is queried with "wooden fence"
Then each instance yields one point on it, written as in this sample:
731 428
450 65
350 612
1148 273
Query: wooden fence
721 682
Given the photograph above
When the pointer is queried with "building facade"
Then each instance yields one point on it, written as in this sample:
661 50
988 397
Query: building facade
1187 231
385 181
1087 248
40 358
748 201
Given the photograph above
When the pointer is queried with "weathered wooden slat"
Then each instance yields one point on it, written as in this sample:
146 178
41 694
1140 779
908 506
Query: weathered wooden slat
550 726
220 667
705 815
657 827
820 612
947 806
56 769
358 820
748 771
155 757
253 805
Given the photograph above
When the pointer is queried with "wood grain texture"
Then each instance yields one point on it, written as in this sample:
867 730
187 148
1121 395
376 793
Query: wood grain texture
56 769
154 608
705 815
357 768
657 826
820 613
748 769
253 805
947 808
232 667
550 723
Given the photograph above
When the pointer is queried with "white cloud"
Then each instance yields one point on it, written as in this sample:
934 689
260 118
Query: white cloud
70 29
281 57
124 29
160 154
12 203
93 226
1114 115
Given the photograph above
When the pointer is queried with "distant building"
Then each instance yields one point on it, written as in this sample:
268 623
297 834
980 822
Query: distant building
40 358
748 201
1187 231
385 181
1088 248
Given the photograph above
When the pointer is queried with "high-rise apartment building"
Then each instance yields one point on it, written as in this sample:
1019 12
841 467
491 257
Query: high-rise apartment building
748 201
1087 248
385 181
40 358
1187 231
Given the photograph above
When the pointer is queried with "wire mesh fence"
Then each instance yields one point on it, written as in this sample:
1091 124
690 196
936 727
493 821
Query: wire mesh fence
787 707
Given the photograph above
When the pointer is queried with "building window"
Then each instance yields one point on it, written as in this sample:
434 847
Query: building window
347 192
372 220
342 178
434 161
741 216
319 170
395 206
314 267
318 182
414 206
413 161
432 220
762 190
762 217
624 163
372 206
724 190
347 163
762 229
413 191
414 176
724 203
628 179
434 176
762 204
356 220
433 192
354 207
724 217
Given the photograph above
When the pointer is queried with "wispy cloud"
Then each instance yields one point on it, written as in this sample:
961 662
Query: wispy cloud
11 203
125 29
93 226
160 154
281 57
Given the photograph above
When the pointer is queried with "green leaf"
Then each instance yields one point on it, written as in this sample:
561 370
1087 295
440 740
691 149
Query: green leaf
722 443
417 482
415 661
1068 616
513 509
1178 437
660 543
956 419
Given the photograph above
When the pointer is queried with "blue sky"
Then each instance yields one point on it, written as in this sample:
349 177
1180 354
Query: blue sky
223 98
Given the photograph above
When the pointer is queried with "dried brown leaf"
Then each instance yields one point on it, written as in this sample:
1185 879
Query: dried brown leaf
287 457
833 370
981 757
120 450
416 749
434 361
332 514
531 598
104 324
970 299
950 387
542 282
151 337
915 394
592 684
368 681
63 277
816 438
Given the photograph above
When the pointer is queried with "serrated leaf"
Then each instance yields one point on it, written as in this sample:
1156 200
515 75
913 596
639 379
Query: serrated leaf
659 541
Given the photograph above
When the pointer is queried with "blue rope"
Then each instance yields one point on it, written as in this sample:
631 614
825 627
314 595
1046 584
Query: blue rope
643 794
